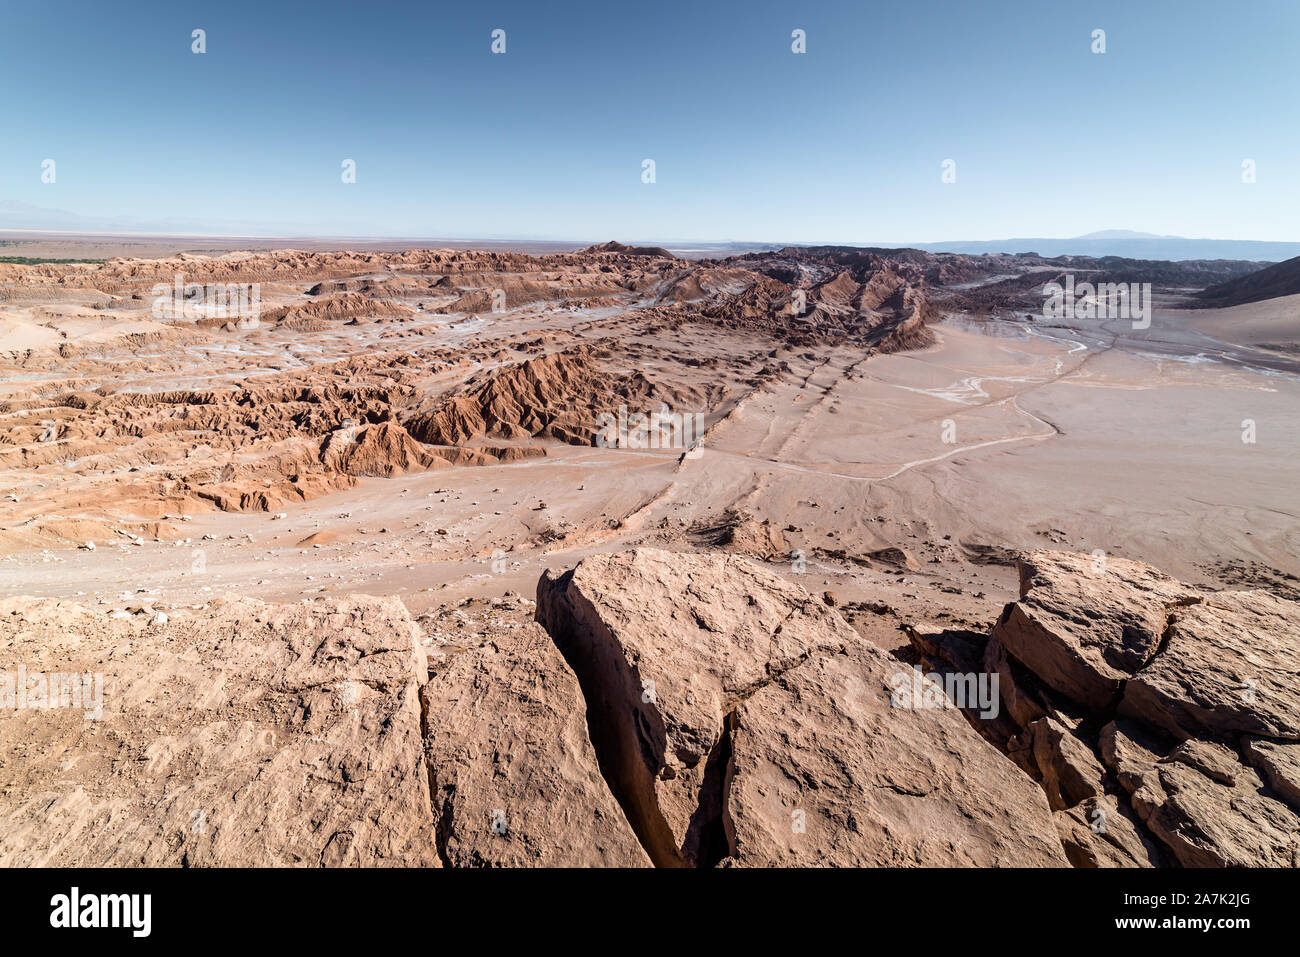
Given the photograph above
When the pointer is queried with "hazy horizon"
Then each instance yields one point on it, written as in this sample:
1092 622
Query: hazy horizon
1101 235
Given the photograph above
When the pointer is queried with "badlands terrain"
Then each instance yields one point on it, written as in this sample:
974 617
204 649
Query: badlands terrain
383 571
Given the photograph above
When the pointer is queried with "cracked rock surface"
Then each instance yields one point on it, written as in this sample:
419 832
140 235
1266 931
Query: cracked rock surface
741 721
251 734
1083 628
513 775
660 708
1189 698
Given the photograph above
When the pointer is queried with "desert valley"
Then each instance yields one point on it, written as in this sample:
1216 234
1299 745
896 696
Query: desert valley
618 557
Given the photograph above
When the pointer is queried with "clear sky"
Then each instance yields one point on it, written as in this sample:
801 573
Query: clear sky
843 143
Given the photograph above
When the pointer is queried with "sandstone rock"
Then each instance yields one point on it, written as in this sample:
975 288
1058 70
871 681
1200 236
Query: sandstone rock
551 396
380 450
1083 632
317 314
1203 821
1229 666
1279 761
957 655
1209 824
1212 760
740 532
898 557
1070 771
963 650
514 778
1132 755
247 734
1191 663
740 719
825 771
1021 699
665 645
1095 833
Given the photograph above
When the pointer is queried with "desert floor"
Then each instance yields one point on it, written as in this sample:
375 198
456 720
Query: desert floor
1003 435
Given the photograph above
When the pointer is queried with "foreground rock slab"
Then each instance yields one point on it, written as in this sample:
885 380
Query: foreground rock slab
1279 762
1230 664
1209 813
1084 627
740 720
244 735
826 771
1097 833
514 777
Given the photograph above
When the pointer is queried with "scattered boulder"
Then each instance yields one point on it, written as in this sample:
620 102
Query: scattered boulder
895 556
740 532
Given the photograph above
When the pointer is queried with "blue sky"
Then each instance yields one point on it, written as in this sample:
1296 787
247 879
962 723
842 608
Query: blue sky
751 142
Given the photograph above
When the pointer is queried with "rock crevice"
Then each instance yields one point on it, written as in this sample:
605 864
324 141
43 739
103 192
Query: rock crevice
741 722
1150 705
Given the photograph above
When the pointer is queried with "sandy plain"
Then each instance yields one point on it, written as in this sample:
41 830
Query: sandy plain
1000 435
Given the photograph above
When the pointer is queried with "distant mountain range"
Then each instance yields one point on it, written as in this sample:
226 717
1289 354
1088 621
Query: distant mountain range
1126 243
18 216
1272 282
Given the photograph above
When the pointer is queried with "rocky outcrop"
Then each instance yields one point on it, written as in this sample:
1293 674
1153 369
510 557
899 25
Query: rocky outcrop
1230 664
816 295
249 734
873 784
739 719
1276 279
1084 626
514 778
1208 823
1183 684
674 709
1097 833
1204 806
1279 763
622 249
1071 773
740 532
543 396
320 313
558 396
384 450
